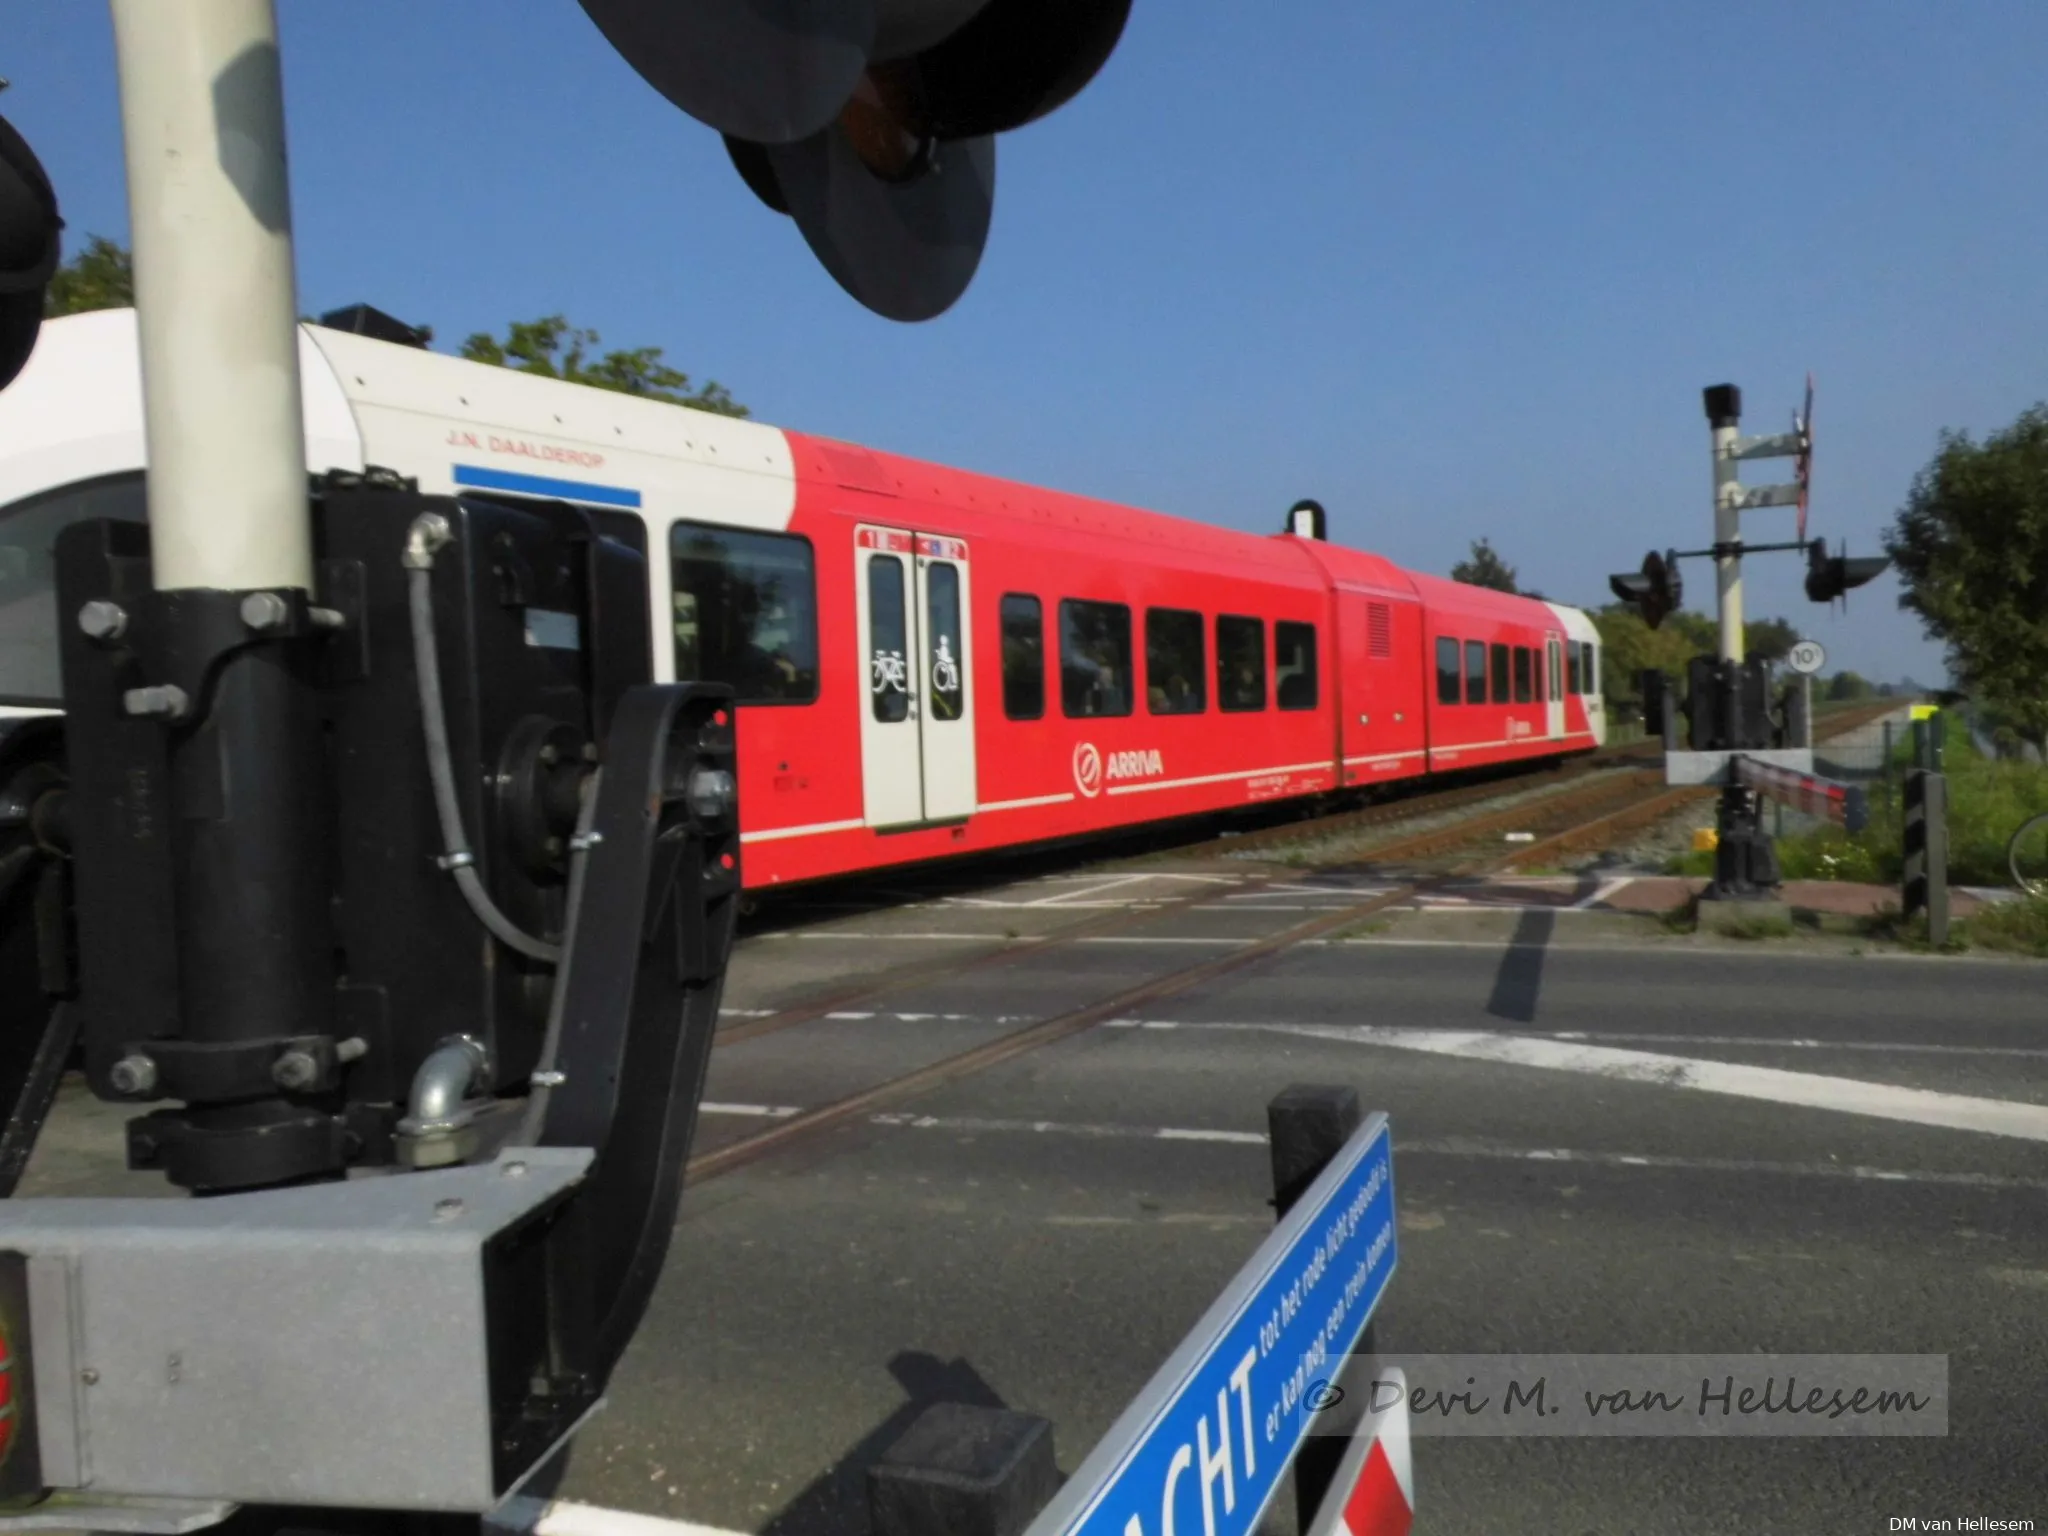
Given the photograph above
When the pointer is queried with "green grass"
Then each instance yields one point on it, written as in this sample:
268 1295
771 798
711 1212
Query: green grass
2010 927
1988 799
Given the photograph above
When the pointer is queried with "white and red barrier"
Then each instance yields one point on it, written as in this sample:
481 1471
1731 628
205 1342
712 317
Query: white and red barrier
1373 1493
1841 803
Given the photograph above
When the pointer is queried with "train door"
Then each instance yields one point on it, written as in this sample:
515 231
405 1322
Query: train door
917 728
1382 721
1553 696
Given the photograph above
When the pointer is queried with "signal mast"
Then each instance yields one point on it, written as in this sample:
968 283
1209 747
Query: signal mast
1731 741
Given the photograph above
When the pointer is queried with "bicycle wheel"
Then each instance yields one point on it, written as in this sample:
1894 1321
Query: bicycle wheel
2027 854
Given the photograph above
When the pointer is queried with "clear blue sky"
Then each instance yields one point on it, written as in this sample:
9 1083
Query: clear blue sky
1455 269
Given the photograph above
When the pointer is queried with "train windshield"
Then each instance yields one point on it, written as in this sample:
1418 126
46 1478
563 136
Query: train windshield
29 670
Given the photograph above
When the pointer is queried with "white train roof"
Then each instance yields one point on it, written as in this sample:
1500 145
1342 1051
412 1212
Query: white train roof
75 413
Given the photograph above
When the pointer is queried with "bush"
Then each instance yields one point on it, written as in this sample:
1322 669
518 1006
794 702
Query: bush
2016 927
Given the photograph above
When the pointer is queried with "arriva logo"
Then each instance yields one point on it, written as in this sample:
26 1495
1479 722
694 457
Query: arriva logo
1088 767
1135 765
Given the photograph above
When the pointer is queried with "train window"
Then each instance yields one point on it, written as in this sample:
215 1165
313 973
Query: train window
1240 663
29 624
1499 657
943 651
1551 650
1446 670
1525 676
1589 674
888 640
1475 671
1572 685
1095 659
746 612
1023 657
1294 665
1176 678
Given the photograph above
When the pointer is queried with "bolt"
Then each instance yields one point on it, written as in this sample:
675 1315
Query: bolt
549 1079
549 753
590 751
89 1376
352 1049
515 1170
447 1208
265 610
133 1075
295 1071
102 620
165 700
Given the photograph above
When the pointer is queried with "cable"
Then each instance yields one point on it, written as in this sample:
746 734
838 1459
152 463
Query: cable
429 532
545 1075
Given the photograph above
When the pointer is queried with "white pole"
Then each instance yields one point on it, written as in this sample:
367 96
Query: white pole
202 114
1728 531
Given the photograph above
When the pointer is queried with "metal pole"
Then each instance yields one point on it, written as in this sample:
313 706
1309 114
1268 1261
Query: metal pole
202 116
1307 1126
231 543
1724 413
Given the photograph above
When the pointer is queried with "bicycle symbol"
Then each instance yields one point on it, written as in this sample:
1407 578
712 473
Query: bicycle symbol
891 673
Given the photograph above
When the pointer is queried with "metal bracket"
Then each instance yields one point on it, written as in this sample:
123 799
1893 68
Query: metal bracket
171 1339
1782 445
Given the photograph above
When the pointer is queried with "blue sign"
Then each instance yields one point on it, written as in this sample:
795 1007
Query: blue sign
1204 1446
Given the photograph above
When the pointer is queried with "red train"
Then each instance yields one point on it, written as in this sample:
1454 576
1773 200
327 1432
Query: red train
931 662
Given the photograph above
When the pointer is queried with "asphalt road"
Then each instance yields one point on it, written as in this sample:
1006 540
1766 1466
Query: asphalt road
1027 1237
1607 1140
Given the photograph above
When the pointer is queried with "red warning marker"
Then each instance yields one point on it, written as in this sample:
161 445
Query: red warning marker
10 1420
1373 1493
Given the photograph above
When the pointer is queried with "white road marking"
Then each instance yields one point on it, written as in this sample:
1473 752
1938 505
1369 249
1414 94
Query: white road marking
1609 1037
1604 892
1068 898
1965 1179
560 1518
752 1111
1843 1095
1432 1147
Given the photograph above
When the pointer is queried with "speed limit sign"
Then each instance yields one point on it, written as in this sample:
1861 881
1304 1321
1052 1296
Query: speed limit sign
1807 657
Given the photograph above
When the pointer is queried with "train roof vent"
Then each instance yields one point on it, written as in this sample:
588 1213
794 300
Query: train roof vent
855 468
1306 520
363 320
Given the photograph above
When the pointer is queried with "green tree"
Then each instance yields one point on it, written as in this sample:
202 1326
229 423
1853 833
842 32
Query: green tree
99 277
1769 639
1484 568
554 349
1848 685
1971 549
1629 647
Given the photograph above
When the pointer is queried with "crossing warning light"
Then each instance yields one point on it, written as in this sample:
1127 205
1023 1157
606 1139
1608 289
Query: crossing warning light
1655 591
28 249
871 123
1831 576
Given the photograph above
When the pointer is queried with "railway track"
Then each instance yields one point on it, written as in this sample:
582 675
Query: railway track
1591 808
